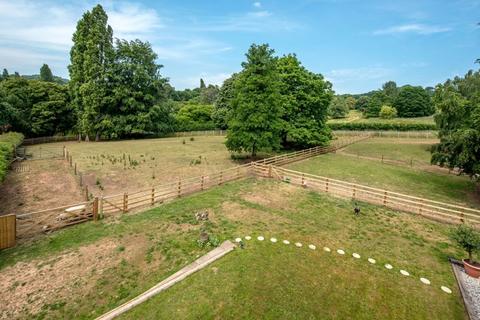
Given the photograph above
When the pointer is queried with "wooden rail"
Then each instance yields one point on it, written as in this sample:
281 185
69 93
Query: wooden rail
441 211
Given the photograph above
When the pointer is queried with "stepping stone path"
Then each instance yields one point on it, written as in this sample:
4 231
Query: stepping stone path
445 289
342 252
405 273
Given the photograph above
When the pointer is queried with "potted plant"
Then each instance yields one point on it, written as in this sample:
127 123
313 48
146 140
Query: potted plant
469 239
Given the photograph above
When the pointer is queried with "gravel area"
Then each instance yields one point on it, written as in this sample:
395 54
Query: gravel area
471 292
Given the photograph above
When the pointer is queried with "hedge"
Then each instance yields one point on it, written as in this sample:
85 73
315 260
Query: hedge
8 143
396 126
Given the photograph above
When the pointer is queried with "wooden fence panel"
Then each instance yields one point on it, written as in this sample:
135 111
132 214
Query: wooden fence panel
7 231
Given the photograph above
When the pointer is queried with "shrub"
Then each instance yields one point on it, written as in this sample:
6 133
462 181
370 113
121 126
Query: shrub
467 238
387 112
338 108
413 102
8 143
394 126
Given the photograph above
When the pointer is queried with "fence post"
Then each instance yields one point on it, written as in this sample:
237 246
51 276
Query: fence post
64 152
270 171
202 186
95 209
303 180
86 193
125 202
100 209
71 160
81 179
153 196
75 170
385 199
353 193
326 185
179 187
221 178
382 158
66 155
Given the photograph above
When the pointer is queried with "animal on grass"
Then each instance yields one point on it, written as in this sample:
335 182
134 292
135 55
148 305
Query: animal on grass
356 209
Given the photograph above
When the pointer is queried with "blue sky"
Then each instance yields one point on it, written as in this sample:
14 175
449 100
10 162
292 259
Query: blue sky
357 45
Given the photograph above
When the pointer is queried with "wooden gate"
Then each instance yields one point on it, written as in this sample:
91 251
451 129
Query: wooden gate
7 231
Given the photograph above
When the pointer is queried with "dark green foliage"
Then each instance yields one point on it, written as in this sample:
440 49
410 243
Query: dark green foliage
362 103
413 102
193 117
394 126
257 108
338 108
375 103
45 73
468 238
390 90
223 103
5 74
8 143
307 96
458 119
209 94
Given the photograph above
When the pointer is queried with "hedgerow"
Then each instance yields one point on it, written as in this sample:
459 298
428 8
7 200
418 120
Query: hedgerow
8 143
397 126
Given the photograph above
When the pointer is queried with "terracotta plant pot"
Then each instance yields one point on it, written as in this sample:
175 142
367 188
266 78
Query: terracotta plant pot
472 270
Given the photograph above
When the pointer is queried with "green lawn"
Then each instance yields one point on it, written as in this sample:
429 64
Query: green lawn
131 253
417 150
441 187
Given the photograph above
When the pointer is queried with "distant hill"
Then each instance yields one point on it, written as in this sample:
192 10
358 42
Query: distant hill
57 79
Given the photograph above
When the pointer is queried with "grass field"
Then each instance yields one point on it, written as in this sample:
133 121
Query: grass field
403 179
356 116
83 271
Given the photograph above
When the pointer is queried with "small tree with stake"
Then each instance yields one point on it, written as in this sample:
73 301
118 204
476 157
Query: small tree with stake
469 239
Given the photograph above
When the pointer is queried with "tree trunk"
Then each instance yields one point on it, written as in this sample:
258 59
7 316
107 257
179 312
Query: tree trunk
87 139
254 151
97 136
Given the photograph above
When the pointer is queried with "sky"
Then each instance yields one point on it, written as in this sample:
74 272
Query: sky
356 45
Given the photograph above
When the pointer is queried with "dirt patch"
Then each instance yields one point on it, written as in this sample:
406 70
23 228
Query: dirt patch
27 287
278 196
39 184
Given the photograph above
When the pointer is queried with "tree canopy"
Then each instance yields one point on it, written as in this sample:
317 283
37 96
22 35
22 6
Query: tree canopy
46 74
413 102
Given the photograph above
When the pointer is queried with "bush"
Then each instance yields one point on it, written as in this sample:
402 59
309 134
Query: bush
467 238
413 102
386 126
387 112
8 143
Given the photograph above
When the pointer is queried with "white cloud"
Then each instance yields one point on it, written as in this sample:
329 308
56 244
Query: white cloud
260 14
257 4
422 29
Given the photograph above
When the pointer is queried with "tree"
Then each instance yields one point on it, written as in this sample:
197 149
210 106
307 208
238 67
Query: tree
256 123
223 103
209 94
307 96
468 238
136 92
413 102
46 73
458 121
4 74
338 108
202 84
390 90
193 117
375 102
91 57
388 112
362 103
350 101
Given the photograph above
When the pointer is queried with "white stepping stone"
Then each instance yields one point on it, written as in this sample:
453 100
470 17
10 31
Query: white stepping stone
445 289
404 272
238 239
311 246
273 240
389 266
372 261
298 244
340 251
425 280
248 238
286 242
356 255
327 249
260 238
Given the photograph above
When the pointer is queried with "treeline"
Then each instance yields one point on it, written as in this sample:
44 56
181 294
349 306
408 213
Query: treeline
387 103
8 143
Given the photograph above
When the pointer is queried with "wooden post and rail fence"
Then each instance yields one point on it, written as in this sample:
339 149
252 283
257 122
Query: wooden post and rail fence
28 225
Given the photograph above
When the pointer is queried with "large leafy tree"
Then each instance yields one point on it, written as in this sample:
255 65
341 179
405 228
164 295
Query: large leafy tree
413 102
307 96
138 93
375 103
257 108
390 90
223 103
91 58
193 117
338 108
45 73
458 120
